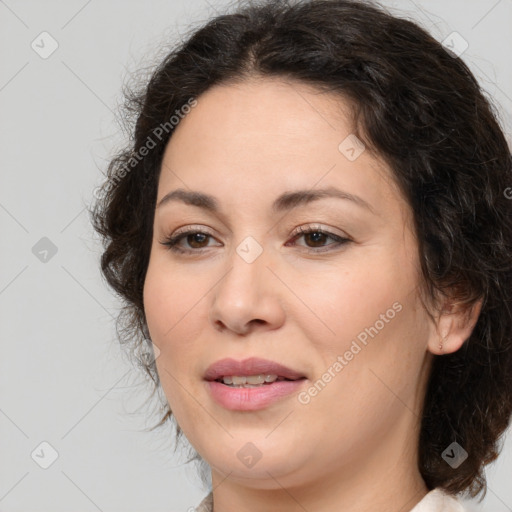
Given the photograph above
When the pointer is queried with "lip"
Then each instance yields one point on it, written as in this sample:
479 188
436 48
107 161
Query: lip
251 399
251 366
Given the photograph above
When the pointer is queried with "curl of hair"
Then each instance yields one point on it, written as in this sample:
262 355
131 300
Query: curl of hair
419 108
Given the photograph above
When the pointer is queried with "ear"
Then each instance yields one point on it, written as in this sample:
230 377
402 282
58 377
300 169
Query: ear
454 325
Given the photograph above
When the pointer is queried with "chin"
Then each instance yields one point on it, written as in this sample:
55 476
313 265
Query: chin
257 461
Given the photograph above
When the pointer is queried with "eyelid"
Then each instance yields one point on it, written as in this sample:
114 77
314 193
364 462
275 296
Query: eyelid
315 226
173 241
192 227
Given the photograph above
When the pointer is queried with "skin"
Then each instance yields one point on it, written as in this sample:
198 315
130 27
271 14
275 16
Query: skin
353 447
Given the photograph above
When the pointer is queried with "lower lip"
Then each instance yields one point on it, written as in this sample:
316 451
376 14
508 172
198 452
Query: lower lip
252 399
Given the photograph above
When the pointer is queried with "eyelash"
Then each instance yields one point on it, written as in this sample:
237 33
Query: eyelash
172 242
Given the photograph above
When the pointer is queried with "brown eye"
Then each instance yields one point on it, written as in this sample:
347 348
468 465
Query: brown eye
316 239
195 240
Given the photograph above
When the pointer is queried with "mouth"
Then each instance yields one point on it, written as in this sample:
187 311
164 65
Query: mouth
250 372
251 384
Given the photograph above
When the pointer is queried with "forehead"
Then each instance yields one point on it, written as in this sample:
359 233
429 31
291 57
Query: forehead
255 138
264 118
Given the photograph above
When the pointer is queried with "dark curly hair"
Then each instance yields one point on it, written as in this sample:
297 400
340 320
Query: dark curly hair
417 106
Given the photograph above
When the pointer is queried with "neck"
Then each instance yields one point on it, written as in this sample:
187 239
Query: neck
383 482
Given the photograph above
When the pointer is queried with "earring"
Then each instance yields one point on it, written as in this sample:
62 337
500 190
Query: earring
441 343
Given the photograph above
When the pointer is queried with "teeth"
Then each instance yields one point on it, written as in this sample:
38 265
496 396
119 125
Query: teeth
238 380
251 380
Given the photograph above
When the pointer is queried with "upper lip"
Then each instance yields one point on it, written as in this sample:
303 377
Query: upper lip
251 366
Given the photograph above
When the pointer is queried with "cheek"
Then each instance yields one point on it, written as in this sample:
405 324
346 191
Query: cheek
172 308
363 293
380 334
173 305
372 317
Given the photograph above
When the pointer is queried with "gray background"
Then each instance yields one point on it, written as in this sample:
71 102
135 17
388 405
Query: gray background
63 377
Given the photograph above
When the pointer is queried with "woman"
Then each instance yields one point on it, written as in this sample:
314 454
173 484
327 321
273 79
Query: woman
311 227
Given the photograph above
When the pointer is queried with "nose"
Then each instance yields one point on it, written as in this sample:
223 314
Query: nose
248 297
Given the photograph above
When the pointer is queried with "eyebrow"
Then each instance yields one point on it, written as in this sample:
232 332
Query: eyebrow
284 202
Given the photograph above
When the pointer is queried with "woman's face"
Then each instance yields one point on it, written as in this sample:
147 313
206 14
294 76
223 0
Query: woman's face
343 313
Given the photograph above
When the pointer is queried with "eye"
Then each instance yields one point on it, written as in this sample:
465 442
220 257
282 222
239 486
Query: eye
318 237
194 237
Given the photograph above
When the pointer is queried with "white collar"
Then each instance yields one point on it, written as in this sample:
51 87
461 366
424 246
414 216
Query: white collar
437 500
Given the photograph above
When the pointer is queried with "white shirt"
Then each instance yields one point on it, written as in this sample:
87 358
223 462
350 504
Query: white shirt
436 500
